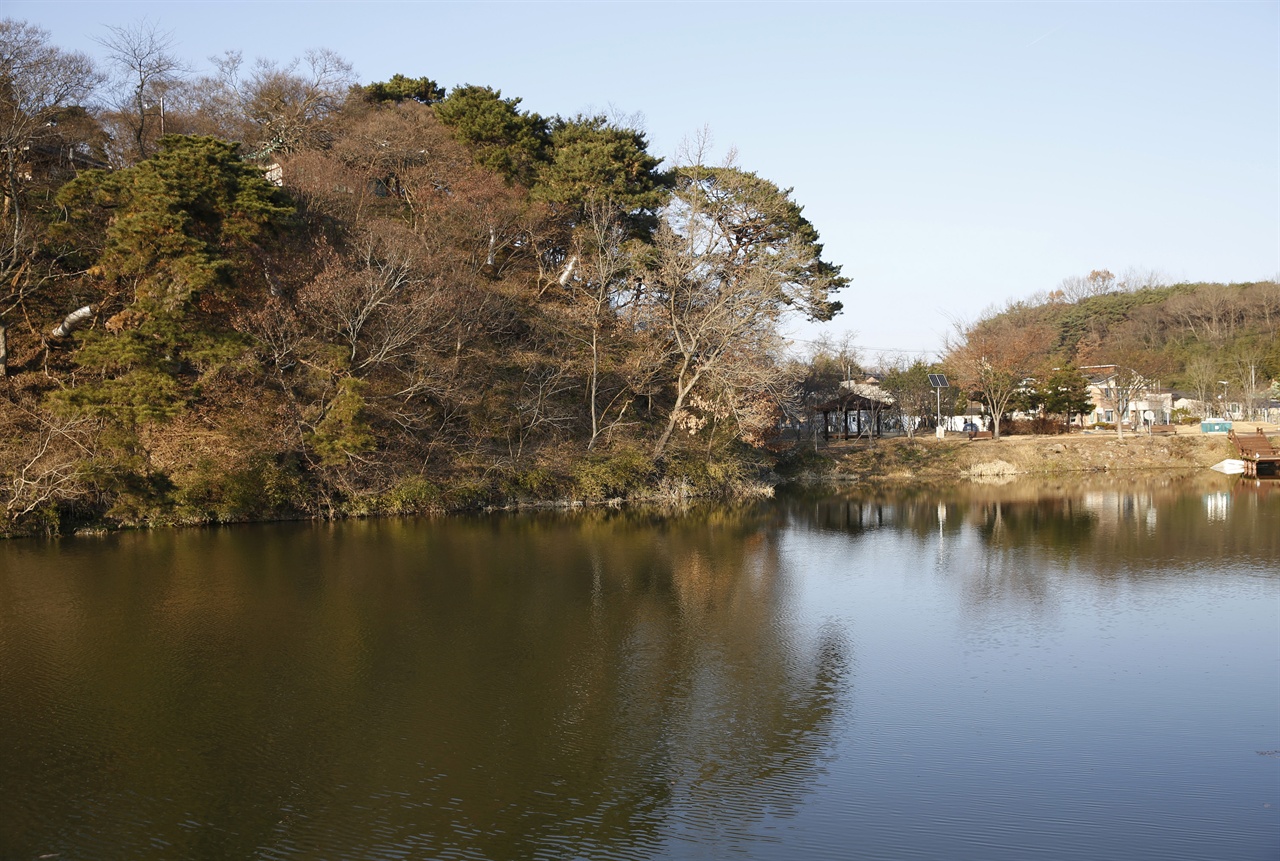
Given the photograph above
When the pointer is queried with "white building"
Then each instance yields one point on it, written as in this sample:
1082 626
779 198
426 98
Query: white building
1147 403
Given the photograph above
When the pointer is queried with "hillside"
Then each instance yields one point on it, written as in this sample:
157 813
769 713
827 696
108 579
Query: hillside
297 295
1189 336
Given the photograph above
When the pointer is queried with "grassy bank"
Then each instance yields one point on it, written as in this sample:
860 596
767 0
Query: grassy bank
929 459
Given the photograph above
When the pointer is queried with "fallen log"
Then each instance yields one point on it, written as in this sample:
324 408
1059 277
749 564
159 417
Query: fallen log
73 321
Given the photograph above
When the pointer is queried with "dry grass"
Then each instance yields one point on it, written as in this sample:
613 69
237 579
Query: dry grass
956 457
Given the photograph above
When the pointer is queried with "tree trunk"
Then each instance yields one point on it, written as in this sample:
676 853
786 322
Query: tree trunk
682 392
595 376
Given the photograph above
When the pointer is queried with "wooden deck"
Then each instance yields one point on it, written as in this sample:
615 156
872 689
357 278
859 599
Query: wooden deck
1259 455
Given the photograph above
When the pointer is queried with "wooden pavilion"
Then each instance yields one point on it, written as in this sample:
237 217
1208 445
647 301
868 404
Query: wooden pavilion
859 408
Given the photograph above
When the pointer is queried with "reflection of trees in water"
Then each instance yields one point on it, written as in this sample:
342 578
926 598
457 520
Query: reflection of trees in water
1149 528
1060 526
500 687
1131 526
920 514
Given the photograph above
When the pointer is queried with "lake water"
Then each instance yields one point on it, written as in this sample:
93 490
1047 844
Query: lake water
1081 671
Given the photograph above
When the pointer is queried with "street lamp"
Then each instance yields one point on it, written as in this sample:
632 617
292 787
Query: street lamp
1222 398
939 382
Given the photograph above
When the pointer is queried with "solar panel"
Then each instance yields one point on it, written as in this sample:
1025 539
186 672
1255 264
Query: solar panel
938 381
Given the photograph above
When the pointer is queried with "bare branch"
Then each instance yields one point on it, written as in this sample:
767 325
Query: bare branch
141 54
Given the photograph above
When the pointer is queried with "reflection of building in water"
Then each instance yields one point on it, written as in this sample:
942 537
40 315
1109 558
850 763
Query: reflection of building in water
1015 542
1216 505
858 515
1113 508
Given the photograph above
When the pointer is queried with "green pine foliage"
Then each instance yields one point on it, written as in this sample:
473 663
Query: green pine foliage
594 162
400 88
179 237
443 300
505 140
179 228
1169 328
343 432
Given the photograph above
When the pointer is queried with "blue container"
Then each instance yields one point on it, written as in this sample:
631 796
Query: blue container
1215 427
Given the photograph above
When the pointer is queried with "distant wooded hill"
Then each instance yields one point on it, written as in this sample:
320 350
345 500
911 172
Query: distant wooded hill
1190 336
1213 341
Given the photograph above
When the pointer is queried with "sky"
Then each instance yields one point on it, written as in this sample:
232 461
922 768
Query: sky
954 157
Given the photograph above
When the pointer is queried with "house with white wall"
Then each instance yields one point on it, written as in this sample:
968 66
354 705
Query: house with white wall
1147 403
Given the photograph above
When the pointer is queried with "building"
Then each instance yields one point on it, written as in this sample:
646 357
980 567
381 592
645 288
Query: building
1146 402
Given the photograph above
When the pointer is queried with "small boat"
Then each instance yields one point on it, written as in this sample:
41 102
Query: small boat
1230 466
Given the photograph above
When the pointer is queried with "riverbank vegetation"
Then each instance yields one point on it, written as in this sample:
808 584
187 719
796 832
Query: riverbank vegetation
304 296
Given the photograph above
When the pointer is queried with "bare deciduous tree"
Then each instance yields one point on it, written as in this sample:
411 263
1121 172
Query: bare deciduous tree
146 68
1099 282
594 289
42 461
1247 375
40 85
1137 278
907 382
732 257
1202 375
372 305
1120 389
1136 367
279 108
1211 311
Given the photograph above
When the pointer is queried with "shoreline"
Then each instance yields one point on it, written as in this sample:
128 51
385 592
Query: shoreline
899 461
926 458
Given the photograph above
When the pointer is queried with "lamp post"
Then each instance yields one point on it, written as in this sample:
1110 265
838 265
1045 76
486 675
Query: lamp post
939 382
1222 399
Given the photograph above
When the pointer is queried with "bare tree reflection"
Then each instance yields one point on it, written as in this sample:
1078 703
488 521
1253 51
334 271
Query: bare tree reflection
499 688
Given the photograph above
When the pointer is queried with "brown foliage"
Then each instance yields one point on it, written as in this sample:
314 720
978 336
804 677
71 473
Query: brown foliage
994 357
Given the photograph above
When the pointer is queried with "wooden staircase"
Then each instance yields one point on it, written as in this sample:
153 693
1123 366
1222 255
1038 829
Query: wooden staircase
1259 455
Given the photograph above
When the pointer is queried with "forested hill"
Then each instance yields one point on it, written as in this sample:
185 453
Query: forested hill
279 292
1189 336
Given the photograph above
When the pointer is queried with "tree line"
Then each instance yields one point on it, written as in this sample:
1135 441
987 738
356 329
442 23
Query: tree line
1203 339
1036 357
275 291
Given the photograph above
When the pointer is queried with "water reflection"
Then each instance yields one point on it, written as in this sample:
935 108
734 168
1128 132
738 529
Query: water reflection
1134 524
994 672
497 688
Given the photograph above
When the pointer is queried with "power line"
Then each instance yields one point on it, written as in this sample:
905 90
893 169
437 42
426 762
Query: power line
866 348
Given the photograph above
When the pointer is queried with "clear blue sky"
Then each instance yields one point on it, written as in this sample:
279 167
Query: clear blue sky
952 155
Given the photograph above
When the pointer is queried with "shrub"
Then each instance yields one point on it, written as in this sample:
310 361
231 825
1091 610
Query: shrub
617 473
536 483
413 495
802 458
1048 425
468 492
268 486
697 476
